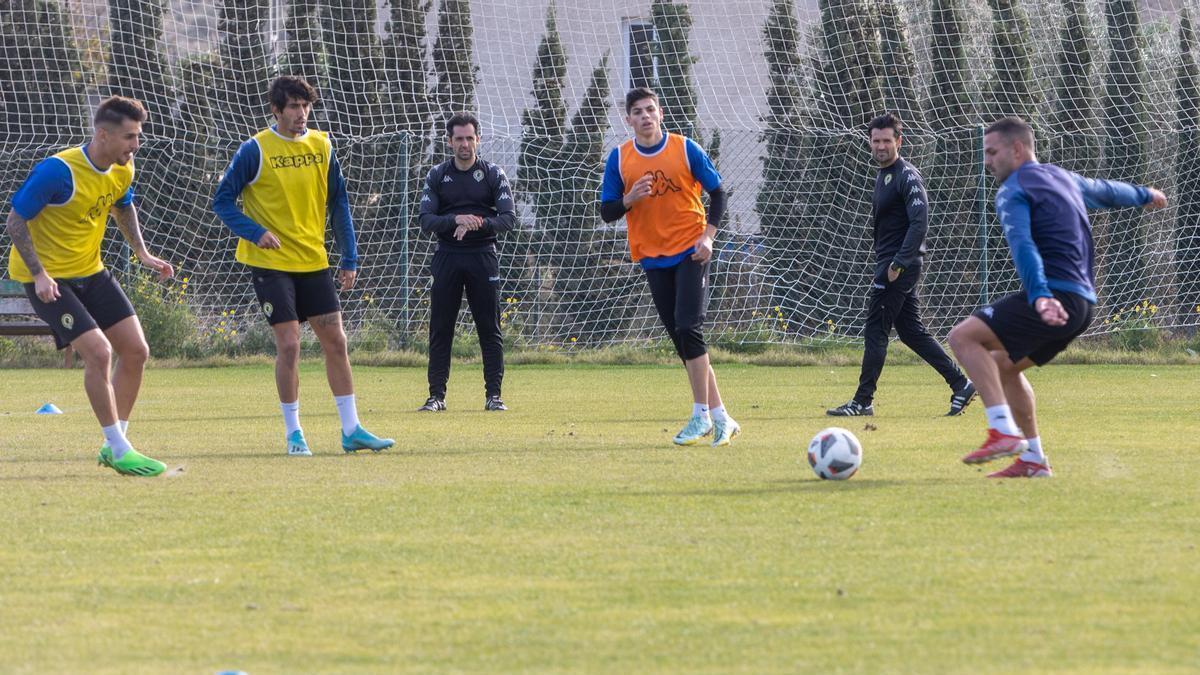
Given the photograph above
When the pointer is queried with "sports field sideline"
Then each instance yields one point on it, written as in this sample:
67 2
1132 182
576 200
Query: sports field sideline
569 535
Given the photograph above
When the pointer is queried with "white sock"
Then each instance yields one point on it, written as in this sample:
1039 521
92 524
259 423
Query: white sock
348 412
718 413
291 416
1034 453
124 426
116 440
699 410
1000 418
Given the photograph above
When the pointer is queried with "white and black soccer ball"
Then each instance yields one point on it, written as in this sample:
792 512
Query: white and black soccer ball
834 454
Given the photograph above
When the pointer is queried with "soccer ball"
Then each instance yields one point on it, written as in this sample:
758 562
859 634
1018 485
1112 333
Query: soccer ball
834 454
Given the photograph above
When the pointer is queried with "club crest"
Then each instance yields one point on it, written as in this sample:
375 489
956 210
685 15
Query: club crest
68 321
478 175
268 309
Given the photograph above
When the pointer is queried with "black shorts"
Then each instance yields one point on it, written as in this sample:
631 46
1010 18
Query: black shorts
83 304
1022 331
294 296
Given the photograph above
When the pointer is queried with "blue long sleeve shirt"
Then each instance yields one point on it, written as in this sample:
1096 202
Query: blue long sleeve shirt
1043 209
243 169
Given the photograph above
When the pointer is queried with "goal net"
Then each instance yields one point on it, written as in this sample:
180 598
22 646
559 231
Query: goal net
778 92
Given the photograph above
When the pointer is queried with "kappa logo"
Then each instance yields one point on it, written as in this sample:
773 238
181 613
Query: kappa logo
426 198
296 161
447 179
478 175
988 312
917 202
68 321
662 185
504 197
914 189
103 203
268 309
494 279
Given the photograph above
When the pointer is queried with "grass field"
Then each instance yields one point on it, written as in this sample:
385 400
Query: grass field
569 535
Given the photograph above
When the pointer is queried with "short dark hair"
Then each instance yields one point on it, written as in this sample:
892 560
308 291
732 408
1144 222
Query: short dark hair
117 109
637 94
1012 129
886 121
288 87
462 119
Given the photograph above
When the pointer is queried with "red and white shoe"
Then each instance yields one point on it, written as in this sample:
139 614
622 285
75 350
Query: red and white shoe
996 446
1023 469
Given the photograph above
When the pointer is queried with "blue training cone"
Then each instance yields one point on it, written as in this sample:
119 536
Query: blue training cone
49 409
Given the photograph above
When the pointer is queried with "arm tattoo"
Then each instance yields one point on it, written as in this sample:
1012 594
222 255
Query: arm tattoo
127 221
18 231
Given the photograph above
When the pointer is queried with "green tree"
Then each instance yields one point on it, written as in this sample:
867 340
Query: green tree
1122 242
849 96
1073 141
409 113
898 79
456 72
573 258
1187 174
355 66
42 100
673 61
787 147
302 39
138 61
953 174
241 91
1011 91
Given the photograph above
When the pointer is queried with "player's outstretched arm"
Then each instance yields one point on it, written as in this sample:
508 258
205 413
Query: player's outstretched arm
1114 194
127 222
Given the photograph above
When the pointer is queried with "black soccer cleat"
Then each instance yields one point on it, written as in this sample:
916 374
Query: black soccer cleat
851 409
433 404
960 399
494 403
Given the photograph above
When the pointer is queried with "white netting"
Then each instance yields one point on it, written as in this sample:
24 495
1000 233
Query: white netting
778 91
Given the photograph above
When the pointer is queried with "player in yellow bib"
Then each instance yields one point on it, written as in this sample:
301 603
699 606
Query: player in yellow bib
288 178
57 223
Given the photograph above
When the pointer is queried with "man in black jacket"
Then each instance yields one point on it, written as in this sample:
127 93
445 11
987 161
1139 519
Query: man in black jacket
900 210
466 202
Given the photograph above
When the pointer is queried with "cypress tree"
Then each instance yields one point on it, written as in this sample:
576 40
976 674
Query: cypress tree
779 202
138 61
1073 142
1011 92
1187 175
457 75
303 47
1122 242
898 79
41 84
675 86
242 84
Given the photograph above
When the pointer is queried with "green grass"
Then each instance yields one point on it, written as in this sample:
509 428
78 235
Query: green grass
568 535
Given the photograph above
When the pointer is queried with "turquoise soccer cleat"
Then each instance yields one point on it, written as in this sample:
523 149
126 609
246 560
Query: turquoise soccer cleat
724 432
297 446
362 439
696 428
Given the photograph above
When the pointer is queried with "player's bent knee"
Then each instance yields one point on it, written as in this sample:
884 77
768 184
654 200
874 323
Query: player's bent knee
691 344
96 351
